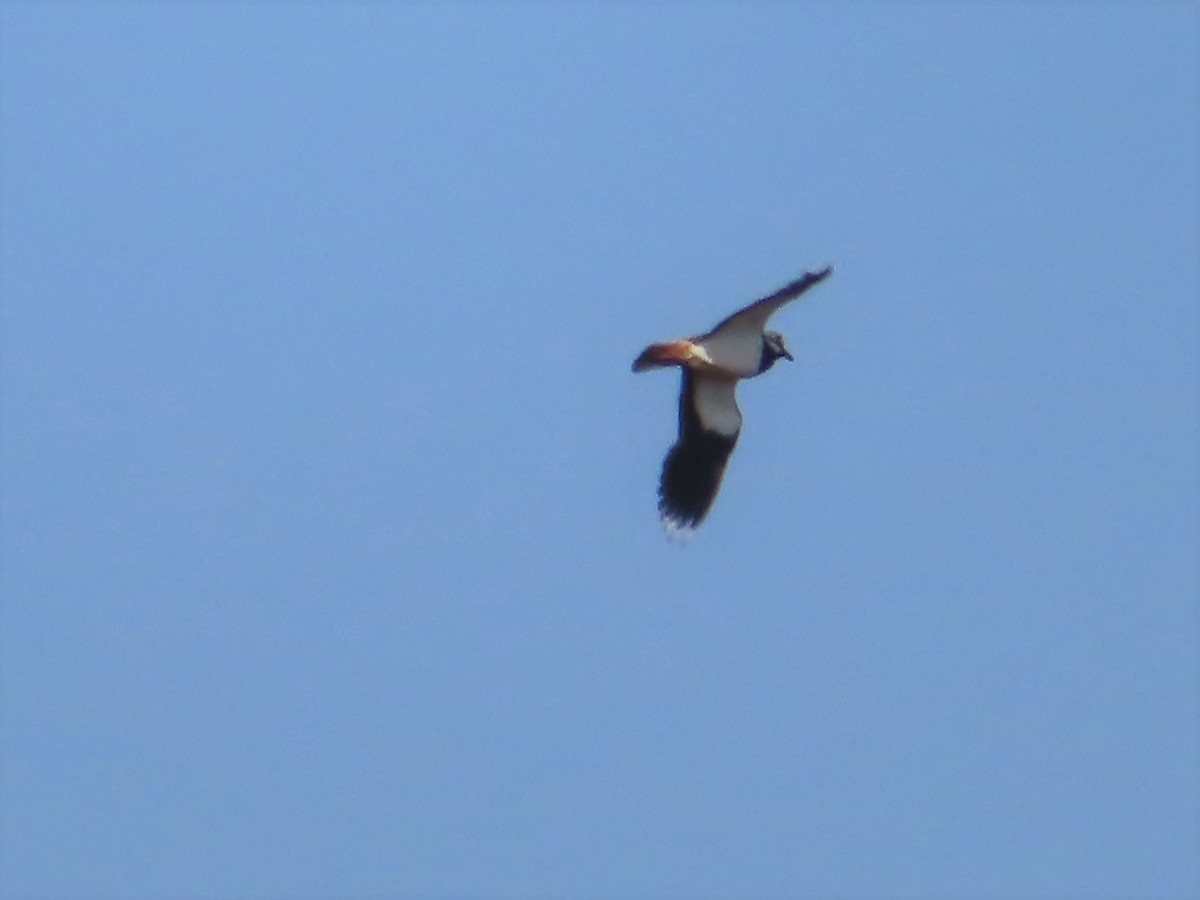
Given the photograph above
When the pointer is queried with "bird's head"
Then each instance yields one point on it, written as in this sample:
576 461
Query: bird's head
774 348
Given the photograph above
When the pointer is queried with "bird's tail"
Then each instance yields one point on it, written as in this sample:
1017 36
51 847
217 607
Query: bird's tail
661 356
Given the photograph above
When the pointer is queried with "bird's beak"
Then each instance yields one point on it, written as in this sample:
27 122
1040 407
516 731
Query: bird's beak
787 355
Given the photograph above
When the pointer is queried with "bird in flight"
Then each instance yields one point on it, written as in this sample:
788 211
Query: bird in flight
709 418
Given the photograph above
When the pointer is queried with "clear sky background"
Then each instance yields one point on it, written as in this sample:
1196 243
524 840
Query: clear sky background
330 560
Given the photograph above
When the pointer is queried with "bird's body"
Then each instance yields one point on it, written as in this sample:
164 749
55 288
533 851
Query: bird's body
710 420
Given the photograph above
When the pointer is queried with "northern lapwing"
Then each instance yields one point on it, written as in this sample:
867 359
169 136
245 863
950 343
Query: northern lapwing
709 418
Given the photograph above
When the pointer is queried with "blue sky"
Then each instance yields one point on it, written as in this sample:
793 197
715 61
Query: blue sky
330 562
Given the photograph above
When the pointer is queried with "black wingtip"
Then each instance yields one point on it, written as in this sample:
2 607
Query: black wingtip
808 279
691 477
801 284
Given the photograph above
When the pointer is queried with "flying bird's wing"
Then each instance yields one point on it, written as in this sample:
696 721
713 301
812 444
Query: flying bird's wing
754 317
709 424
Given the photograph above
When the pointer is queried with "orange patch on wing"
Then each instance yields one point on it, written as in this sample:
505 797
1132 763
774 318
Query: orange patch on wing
676 353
